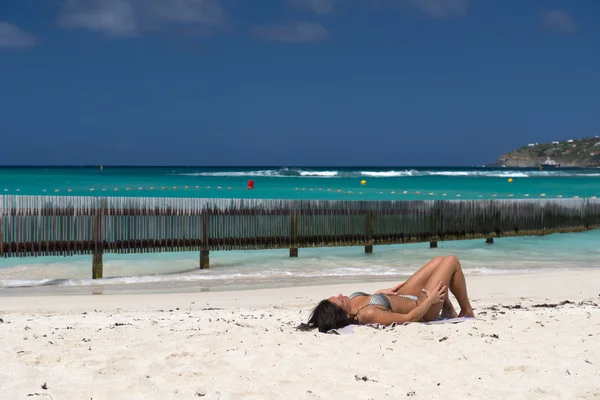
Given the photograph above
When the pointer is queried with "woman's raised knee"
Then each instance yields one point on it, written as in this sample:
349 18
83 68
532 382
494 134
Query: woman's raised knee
452 260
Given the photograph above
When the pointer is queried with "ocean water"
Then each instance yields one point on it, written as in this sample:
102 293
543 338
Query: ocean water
273 268
400 183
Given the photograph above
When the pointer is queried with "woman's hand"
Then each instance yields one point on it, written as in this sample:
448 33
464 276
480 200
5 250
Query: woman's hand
393 291
436 295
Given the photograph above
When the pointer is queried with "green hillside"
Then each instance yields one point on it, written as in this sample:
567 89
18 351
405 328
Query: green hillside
568 153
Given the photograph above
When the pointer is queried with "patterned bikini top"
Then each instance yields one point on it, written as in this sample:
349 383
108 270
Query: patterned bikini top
381 299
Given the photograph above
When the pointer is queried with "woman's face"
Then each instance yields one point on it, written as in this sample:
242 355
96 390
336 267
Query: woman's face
342 302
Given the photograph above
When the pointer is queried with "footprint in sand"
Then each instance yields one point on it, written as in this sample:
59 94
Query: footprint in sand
515 369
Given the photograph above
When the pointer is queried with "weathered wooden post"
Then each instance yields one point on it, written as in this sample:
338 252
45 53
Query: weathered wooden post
97 266
433 244
204 253
370 228
204 259
294 234
489 240
98 239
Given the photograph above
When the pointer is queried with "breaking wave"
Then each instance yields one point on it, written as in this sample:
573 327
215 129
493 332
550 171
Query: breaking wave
392 173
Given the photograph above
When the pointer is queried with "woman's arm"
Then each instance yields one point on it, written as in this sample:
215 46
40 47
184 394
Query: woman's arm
391 291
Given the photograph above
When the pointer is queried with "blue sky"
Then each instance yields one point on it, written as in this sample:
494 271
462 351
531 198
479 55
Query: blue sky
293 82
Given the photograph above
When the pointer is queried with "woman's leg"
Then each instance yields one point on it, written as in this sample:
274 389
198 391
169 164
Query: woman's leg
417 281
449 272
448 310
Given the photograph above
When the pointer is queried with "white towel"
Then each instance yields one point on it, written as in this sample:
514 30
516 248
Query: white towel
349 329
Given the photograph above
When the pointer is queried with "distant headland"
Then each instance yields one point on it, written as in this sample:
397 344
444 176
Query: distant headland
567 153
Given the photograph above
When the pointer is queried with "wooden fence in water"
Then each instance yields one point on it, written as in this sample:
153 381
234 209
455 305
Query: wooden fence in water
65 226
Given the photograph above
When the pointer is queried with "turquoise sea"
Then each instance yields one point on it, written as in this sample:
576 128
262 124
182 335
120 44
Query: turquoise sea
248 269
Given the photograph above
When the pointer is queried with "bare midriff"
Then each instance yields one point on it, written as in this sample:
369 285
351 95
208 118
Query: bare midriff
401 305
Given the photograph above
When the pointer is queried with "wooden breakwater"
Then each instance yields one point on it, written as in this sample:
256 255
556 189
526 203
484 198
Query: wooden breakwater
63 226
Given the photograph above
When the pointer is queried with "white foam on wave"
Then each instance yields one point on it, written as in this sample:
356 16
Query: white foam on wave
390 174
490 174
268 173
258 277
15 283
506 271
297 172
275 275
323 174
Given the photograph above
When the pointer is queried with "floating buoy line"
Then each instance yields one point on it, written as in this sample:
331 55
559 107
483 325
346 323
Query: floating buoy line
331 190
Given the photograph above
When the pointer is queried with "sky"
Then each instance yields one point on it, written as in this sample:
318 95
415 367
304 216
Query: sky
293 82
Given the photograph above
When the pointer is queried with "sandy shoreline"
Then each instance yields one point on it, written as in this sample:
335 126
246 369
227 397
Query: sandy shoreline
242 344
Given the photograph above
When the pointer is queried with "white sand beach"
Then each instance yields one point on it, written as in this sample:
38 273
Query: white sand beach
243 345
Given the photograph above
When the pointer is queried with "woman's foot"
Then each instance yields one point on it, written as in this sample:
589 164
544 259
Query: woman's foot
467 313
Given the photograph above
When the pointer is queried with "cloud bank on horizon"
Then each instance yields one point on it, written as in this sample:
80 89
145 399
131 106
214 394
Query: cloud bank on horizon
133 18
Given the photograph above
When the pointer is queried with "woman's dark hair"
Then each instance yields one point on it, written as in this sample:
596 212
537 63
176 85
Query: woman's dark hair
326 316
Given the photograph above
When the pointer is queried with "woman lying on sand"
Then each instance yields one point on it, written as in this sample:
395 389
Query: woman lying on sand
420 298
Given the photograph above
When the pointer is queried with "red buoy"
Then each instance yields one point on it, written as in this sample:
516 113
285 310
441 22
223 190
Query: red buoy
250 184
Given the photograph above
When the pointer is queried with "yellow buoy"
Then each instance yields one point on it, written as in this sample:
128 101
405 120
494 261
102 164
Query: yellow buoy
509 180
363 182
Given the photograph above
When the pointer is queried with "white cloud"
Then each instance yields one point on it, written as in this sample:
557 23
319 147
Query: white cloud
441 8
318 6
122 18
12 37
301 32
557 20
